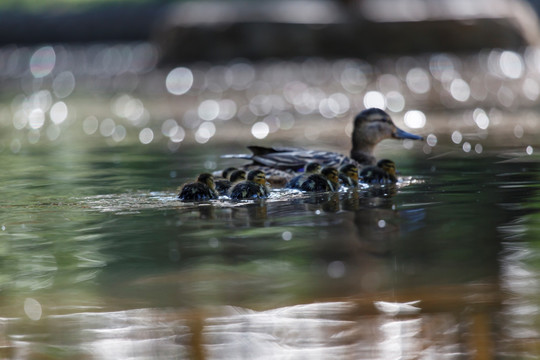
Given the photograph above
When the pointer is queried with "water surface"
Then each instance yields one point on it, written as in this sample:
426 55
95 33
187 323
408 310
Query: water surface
99 260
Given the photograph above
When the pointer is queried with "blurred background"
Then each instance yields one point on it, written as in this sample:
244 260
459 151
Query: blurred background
107 106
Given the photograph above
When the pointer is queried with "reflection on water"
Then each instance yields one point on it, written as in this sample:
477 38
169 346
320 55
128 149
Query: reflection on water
98 259
442 265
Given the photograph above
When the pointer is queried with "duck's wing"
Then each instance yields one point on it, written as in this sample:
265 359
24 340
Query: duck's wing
295 159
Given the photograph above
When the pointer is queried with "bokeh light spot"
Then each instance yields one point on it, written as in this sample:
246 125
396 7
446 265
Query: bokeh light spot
260 130
146 136
58 112
374 99
42 61
179 81
415 119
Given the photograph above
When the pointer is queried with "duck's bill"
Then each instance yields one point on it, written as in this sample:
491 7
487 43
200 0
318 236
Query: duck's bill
401 134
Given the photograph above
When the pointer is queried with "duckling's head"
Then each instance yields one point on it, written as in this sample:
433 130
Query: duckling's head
331 174
312 168
206 179
227 172
257 176
350 170
388 166
371 126
237 175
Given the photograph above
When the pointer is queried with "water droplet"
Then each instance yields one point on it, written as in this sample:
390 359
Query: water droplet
529 150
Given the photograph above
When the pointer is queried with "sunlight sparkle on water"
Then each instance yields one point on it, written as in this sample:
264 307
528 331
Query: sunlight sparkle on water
146 136
58 112
456 137
431 140
42 62
415 119
260 130
374 99
179 81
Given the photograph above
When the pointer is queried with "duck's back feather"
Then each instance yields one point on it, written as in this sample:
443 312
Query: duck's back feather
287 158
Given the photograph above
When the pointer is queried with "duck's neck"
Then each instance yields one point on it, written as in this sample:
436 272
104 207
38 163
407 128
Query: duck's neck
362 149
363 156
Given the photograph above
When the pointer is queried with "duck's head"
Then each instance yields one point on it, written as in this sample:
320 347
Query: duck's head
312 168
331 174
237 175
371 126
388 166
350 170
206 179
228 172
257 176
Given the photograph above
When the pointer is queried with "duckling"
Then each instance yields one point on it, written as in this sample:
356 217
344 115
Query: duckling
252 188
383 173
223 184
327 180
348 175
201 190
235 177
371 126
309 169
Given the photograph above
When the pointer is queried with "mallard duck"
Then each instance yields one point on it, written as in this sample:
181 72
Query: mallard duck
327 180
371 126
235 177
310 169
223 183
348 175
201 190
252 188
383 173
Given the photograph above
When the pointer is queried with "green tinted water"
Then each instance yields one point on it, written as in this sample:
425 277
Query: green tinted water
99 260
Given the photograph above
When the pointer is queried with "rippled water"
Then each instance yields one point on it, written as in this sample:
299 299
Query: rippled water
100 261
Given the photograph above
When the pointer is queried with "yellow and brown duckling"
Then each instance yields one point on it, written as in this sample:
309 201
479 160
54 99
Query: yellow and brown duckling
310 169
223 181
383 173
327 180
234 177
201 190
370 127
252 188
348 175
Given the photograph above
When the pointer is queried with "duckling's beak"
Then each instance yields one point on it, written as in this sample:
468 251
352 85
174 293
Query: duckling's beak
401 134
